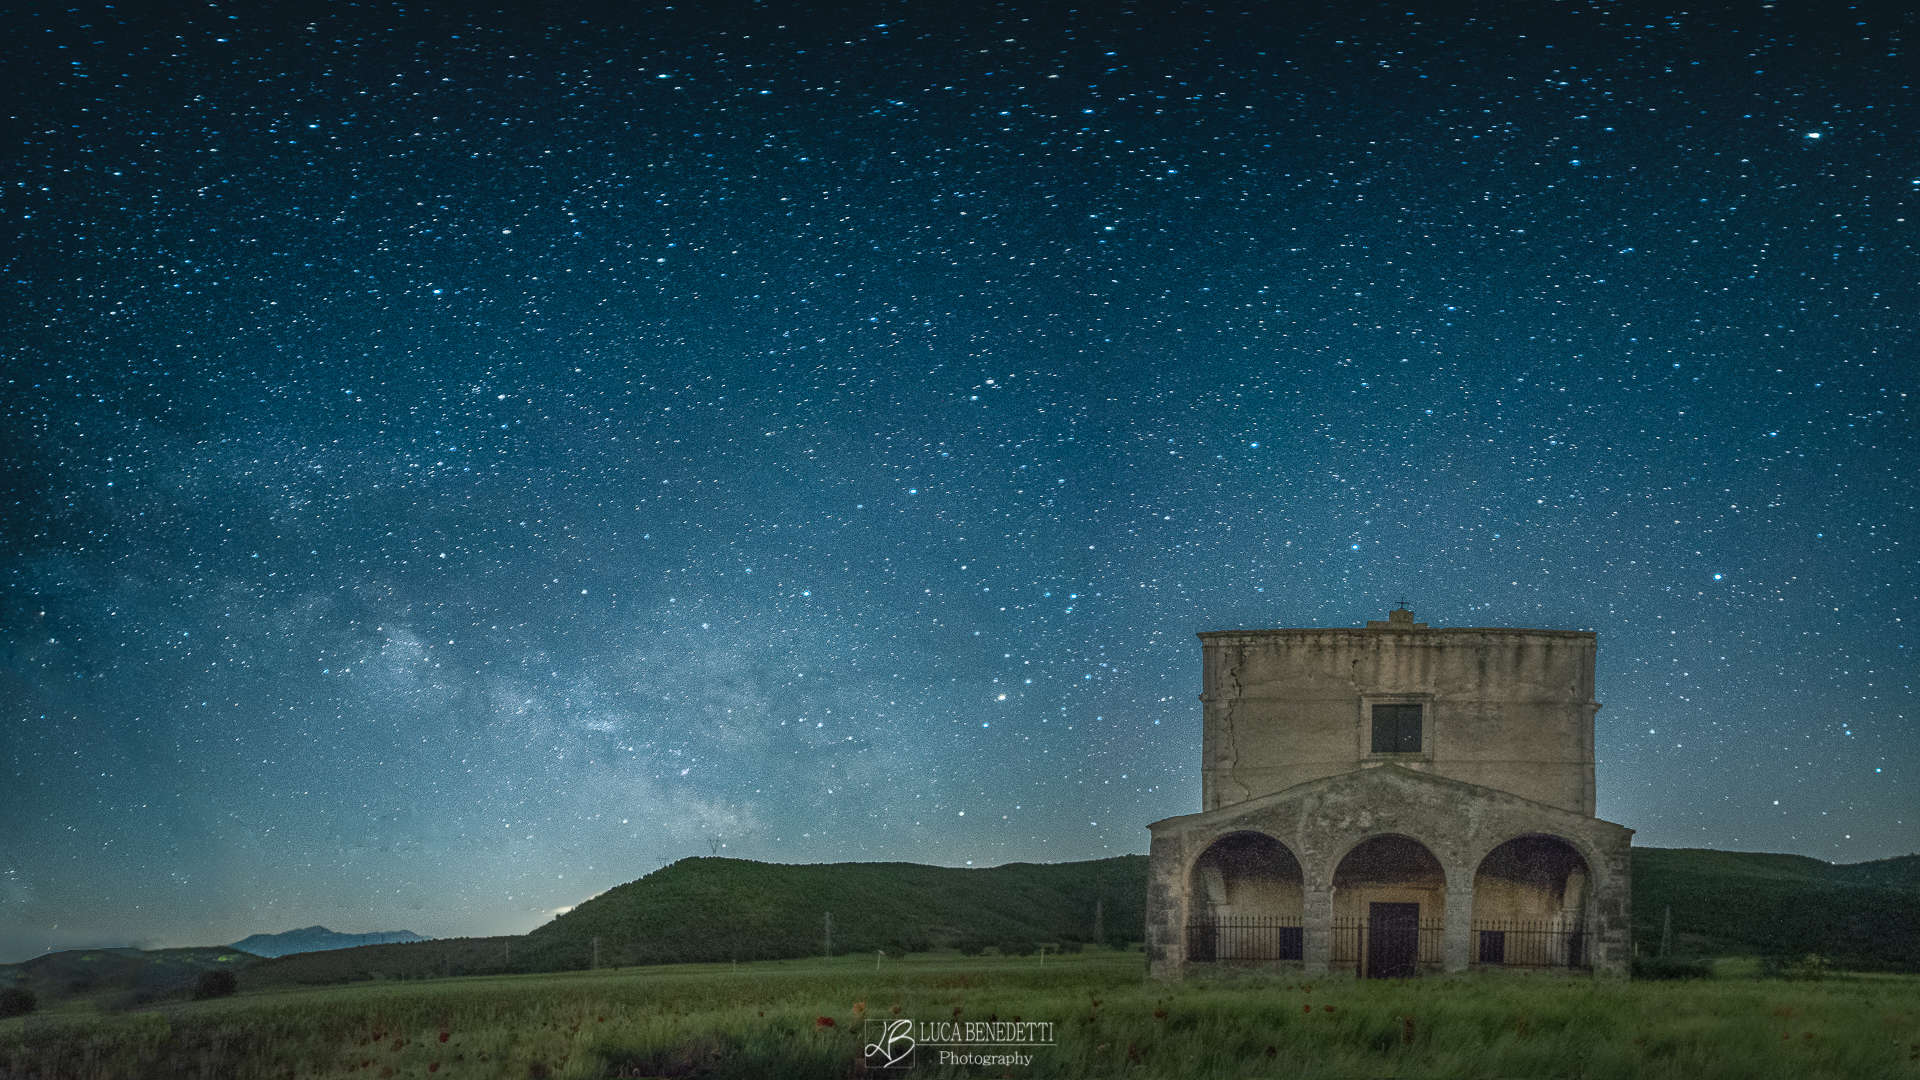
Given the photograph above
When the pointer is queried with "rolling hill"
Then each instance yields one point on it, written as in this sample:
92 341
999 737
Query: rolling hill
1859 915
1723 903
1862 915
717 909
119 976
725 909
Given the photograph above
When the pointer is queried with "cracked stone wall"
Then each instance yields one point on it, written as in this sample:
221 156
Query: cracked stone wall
1506 709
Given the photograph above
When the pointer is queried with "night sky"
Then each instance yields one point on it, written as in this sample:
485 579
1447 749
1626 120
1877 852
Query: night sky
453 464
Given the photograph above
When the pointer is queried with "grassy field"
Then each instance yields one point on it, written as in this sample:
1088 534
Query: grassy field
805 1019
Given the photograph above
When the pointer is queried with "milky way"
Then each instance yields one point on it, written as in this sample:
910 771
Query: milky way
458 463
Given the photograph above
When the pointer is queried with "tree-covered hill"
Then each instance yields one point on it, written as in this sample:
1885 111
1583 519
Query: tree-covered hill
120 977
726 909
1860 915
718 909
1723 903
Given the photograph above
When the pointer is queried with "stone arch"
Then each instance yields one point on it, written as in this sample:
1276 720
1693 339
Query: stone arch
1533 903
1246 895
1389 906
1246 872
1333 866
1594 857
1390 861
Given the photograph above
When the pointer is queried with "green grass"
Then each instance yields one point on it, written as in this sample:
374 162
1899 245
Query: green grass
763 1020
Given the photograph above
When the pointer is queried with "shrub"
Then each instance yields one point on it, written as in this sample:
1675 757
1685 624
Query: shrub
17 1001
1670 967
971 946
1017 948
1809 968
214 984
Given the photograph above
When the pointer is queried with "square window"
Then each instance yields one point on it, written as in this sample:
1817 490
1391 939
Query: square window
1396 729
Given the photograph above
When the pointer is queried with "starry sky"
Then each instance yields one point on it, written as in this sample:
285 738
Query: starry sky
455 463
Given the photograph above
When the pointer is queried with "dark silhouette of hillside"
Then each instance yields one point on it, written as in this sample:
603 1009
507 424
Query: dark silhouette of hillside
120 977
1863 916
707 909
720 909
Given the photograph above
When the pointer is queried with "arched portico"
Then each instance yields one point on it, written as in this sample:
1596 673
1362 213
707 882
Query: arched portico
1533 905
1389 906
1439 856
1246 892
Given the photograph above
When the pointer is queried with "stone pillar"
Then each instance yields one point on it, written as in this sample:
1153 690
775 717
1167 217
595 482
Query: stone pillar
1610 949
1459 932
1316 929
1166 911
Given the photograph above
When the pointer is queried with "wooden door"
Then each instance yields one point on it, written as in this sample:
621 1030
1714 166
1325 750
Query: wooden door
1393 940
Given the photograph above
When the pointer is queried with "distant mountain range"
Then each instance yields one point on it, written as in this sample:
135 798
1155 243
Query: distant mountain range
319 939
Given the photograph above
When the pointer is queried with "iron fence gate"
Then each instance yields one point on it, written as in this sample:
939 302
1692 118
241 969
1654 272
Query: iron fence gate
1244 939
1383 946
1513 943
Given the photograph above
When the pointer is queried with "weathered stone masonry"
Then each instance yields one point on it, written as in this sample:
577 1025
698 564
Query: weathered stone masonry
1354 776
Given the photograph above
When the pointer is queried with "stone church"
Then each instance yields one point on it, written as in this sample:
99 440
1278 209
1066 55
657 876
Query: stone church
1391 800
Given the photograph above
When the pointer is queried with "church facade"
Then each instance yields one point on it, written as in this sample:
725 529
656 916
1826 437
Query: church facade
1390 800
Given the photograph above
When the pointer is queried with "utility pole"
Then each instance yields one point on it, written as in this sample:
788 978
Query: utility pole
1099 920
509 952
1666 928
829 935
596 952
